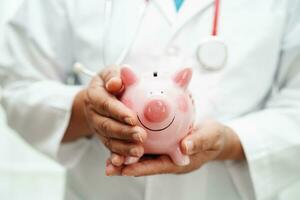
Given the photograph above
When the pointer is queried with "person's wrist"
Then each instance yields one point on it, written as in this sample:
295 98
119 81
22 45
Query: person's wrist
232 148
78 125
86 131
238 151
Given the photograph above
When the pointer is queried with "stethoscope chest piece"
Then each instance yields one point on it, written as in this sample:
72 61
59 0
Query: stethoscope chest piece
212 53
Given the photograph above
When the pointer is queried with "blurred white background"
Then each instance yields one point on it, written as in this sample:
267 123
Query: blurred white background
24 173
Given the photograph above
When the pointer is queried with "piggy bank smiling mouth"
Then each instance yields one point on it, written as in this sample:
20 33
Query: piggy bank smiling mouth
161 129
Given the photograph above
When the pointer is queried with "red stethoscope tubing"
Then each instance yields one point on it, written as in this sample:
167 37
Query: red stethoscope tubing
216 18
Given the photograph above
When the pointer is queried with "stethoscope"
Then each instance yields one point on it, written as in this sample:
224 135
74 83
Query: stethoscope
211 53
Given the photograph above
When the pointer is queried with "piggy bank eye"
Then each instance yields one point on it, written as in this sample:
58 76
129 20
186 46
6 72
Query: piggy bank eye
151 93
161 92
154 74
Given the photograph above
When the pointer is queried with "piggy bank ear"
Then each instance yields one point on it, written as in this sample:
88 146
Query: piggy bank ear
183 77
128 76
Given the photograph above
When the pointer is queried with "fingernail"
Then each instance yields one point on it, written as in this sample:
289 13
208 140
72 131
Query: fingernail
107 85
189 146
185 161
137 137
115 160
130 160
129 121
109 170
114 84
135 152
139 134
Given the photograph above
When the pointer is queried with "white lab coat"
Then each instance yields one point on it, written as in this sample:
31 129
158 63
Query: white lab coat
257 93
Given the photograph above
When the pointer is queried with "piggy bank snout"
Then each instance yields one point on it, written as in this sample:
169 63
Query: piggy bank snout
156 111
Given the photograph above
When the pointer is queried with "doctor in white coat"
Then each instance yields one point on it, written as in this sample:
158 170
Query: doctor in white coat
248 149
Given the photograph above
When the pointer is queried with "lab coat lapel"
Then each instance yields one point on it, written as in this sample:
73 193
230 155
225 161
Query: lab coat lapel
190 8
167 8
124 21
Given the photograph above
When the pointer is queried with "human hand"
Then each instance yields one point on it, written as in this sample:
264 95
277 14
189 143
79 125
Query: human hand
209 141
107 117
114 123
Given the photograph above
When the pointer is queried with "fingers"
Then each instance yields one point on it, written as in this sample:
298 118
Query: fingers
117 160
160 165
206 138
108 105
130 160
112 170
192 144
123 148
112 79
114 86
110 128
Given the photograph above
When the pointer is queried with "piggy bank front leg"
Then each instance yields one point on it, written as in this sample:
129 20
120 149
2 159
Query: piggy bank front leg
178 157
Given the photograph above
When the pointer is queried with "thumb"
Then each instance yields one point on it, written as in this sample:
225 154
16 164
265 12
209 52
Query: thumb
207 137
187 145
193 142
112 79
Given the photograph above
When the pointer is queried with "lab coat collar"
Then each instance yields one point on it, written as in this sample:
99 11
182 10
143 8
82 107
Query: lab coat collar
189 9
167 8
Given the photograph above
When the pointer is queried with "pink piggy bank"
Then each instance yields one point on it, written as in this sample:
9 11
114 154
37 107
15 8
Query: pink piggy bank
164 108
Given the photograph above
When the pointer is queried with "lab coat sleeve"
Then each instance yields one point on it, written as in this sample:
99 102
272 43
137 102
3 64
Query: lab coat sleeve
271 137
34 65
